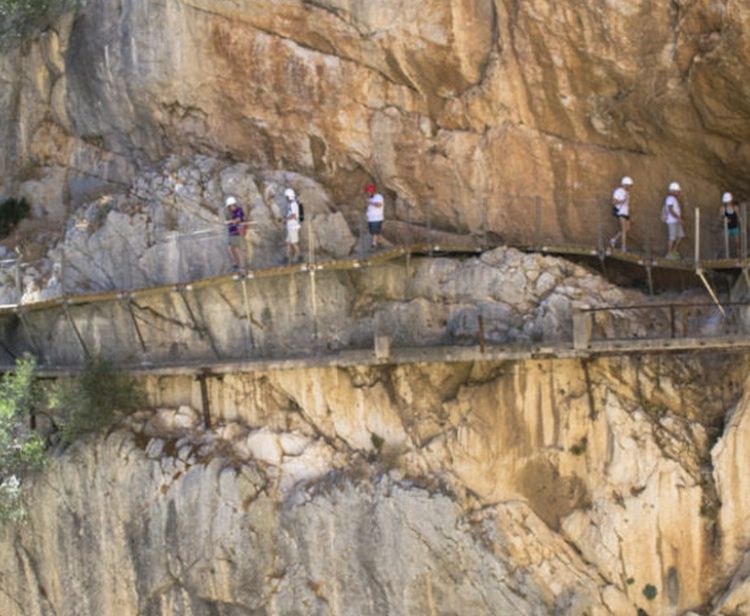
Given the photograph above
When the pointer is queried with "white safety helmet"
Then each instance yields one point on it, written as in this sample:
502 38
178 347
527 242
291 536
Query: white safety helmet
674 187
626 181
231 201
290 194
726 197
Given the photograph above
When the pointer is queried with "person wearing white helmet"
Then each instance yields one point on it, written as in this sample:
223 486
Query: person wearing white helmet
292 218
672 215
731 221
236 228
621 211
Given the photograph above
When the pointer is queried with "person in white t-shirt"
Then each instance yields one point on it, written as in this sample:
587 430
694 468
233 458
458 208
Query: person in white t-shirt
375 214
291 216
672 215
621 211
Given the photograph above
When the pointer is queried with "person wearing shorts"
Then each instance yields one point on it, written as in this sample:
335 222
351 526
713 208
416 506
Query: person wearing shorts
729 213
235 221
621 210
375 214
672 216
291 215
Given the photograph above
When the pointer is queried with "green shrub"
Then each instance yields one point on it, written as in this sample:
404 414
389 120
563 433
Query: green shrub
12 211
21 448
97 400
649 591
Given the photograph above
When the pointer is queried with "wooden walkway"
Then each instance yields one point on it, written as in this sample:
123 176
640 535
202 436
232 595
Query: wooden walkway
444 249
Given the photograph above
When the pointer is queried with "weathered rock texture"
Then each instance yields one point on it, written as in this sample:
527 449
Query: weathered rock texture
529 487
449 105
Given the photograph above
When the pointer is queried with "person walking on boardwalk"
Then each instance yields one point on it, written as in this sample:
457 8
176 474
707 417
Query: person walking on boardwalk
236 228
375 214
292 218
621 211
730 216
672 215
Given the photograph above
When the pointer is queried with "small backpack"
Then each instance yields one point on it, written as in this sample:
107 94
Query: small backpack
615 211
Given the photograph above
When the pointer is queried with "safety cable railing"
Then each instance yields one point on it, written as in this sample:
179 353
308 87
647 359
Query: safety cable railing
84 263
661 321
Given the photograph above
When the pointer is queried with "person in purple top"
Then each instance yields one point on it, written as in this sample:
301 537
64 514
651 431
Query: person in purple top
236 225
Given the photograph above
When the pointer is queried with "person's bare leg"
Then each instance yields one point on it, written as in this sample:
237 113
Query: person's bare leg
625 227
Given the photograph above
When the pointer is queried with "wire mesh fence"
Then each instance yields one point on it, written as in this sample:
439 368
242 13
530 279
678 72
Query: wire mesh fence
80 265
669 321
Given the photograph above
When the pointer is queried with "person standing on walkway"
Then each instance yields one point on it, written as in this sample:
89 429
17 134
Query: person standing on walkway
732 228
621 211
375 214
672 215
292 218
236 228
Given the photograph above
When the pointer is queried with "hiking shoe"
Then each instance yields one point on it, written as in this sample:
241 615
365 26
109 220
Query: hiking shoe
612 243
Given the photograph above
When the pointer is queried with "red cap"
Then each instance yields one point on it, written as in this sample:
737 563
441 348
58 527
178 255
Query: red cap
370 188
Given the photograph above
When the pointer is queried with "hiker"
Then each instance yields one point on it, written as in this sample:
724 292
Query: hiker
375 214
672 215
621 211
292 218
730 215
236 227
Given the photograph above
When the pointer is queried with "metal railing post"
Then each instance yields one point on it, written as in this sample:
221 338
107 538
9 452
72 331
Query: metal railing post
726 237
697 254
672 323
599 228
18 282
484 223
743 240
429 225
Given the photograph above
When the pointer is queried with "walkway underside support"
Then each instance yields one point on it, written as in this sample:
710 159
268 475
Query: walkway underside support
75 331
128 301
27 330
203 333
247 313
711 292
649 279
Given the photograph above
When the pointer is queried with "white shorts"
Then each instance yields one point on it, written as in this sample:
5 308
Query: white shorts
292 235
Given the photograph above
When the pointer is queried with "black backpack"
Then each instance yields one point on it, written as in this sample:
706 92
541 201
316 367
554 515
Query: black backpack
301 211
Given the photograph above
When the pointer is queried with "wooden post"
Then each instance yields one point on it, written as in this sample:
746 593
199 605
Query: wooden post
582 330
205 401
672 324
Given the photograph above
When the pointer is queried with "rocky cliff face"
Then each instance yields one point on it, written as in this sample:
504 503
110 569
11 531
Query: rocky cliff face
530 487
451 106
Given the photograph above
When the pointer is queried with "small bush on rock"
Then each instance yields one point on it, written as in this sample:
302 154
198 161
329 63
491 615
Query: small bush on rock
21 448
97 400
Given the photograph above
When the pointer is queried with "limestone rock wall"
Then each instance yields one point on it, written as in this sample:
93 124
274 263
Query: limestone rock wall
529 487
450 106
